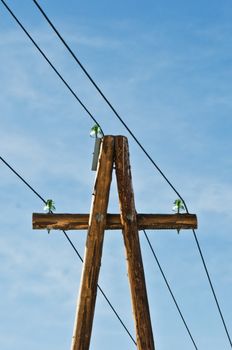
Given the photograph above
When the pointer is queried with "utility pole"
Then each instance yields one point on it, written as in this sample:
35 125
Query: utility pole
114 152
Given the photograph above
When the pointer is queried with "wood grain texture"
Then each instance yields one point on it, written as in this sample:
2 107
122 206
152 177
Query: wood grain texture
144 334
93 252
113 221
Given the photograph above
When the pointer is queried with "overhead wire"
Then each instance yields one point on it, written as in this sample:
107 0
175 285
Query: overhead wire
135 139
212 288
52 65
209 280
144 151
73 246
169 288
108 102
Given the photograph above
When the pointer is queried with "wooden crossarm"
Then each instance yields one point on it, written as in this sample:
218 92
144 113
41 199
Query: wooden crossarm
113 222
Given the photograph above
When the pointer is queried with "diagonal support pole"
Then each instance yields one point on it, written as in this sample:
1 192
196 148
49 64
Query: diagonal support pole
136 275
93 252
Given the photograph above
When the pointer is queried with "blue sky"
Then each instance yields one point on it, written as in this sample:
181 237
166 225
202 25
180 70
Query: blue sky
167 68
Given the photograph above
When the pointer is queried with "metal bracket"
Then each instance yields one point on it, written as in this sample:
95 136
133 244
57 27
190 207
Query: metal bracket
96 153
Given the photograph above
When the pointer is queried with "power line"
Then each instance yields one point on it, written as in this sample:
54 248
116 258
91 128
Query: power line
82 104
50 64
72 245
169 288
139 144
212 288
22 179
108 102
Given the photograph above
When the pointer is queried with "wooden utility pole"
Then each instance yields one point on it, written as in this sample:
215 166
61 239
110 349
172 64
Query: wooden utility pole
93 250
144 336
114 149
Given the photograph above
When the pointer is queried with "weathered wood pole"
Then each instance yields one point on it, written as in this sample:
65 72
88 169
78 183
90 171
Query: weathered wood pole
144 335
93 251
